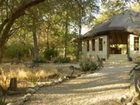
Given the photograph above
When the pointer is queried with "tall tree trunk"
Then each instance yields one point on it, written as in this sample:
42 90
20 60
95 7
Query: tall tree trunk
66 34
47 38
1 54
36 50
79 43
6 25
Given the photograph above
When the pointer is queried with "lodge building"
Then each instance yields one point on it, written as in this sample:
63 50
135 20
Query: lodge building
117 38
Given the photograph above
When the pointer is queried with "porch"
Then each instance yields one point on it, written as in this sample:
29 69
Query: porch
117 37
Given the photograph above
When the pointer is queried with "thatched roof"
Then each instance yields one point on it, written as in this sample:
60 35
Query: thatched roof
128 21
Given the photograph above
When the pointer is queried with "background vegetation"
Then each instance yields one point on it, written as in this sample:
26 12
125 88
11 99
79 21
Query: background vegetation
48 30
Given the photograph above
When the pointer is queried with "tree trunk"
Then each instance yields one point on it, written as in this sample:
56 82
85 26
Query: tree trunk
79 43
1 51
13 84
36 50
47 38
1 54
66 34
6 25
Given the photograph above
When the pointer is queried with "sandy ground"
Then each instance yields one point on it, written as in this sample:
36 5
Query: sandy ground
104 87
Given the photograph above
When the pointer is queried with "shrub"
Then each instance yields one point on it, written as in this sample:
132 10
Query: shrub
137 60
62 60
41 59
17 50
50 53
3 101
88 65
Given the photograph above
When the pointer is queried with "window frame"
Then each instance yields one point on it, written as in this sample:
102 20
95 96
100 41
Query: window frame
93 44
100 44
136 43
88 48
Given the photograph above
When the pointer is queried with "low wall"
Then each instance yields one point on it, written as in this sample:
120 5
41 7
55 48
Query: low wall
134 98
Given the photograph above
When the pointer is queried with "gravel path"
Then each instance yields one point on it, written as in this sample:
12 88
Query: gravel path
104 87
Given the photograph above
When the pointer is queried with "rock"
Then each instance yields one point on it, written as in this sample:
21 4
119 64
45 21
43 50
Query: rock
36 87
129 103
30 90
41 85
49 83
65 78
19 102
10 104
60 80
26 97
55 81
125 99
12 92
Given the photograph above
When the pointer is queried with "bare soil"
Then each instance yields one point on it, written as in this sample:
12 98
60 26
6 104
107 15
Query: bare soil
104 87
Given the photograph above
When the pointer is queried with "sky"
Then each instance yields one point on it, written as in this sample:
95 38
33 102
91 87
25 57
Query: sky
86 28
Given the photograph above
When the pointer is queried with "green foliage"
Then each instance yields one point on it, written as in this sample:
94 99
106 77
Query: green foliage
62 60
3 101
88 65
17 50
41 59
137 60
50 53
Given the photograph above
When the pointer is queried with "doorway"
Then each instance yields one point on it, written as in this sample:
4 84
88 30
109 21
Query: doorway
118 43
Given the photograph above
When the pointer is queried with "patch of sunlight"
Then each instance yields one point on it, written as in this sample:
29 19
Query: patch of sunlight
105 87
106 97
95 75
111 67
128 66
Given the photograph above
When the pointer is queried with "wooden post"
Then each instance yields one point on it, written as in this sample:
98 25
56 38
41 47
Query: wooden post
13 84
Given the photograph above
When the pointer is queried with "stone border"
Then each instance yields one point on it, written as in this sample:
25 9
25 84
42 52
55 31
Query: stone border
31 91
134 91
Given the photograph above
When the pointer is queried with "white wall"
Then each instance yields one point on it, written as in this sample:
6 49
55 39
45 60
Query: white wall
93 54
133 53
103 54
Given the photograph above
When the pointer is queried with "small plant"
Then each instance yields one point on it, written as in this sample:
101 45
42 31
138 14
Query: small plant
137 60
50 53
88 65
3 101
62 60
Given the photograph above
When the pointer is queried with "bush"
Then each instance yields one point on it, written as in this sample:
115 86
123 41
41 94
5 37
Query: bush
3 101
50 53
17 50
41 59
137 60
62 60
88 65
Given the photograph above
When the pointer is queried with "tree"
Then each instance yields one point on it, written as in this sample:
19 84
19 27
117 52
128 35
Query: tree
58 16
8 22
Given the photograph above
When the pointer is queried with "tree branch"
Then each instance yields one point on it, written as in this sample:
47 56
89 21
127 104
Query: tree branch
1 2
7 24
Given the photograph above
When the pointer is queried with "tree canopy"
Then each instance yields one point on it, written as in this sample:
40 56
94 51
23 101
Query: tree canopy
42 24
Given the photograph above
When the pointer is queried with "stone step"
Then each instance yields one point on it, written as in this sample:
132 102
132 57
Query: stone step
118 57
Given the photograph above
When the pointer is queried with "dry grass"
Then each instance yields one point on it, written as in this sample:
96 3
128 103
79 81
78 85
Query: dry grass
26 77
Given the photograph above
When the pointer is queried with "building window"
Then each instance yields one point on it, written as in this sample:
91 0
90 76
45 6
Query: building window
93 44
87 45
136 43
100 44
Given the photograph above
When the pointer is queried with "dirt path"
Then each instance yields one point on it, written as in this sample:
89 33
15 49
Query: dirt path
105 87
